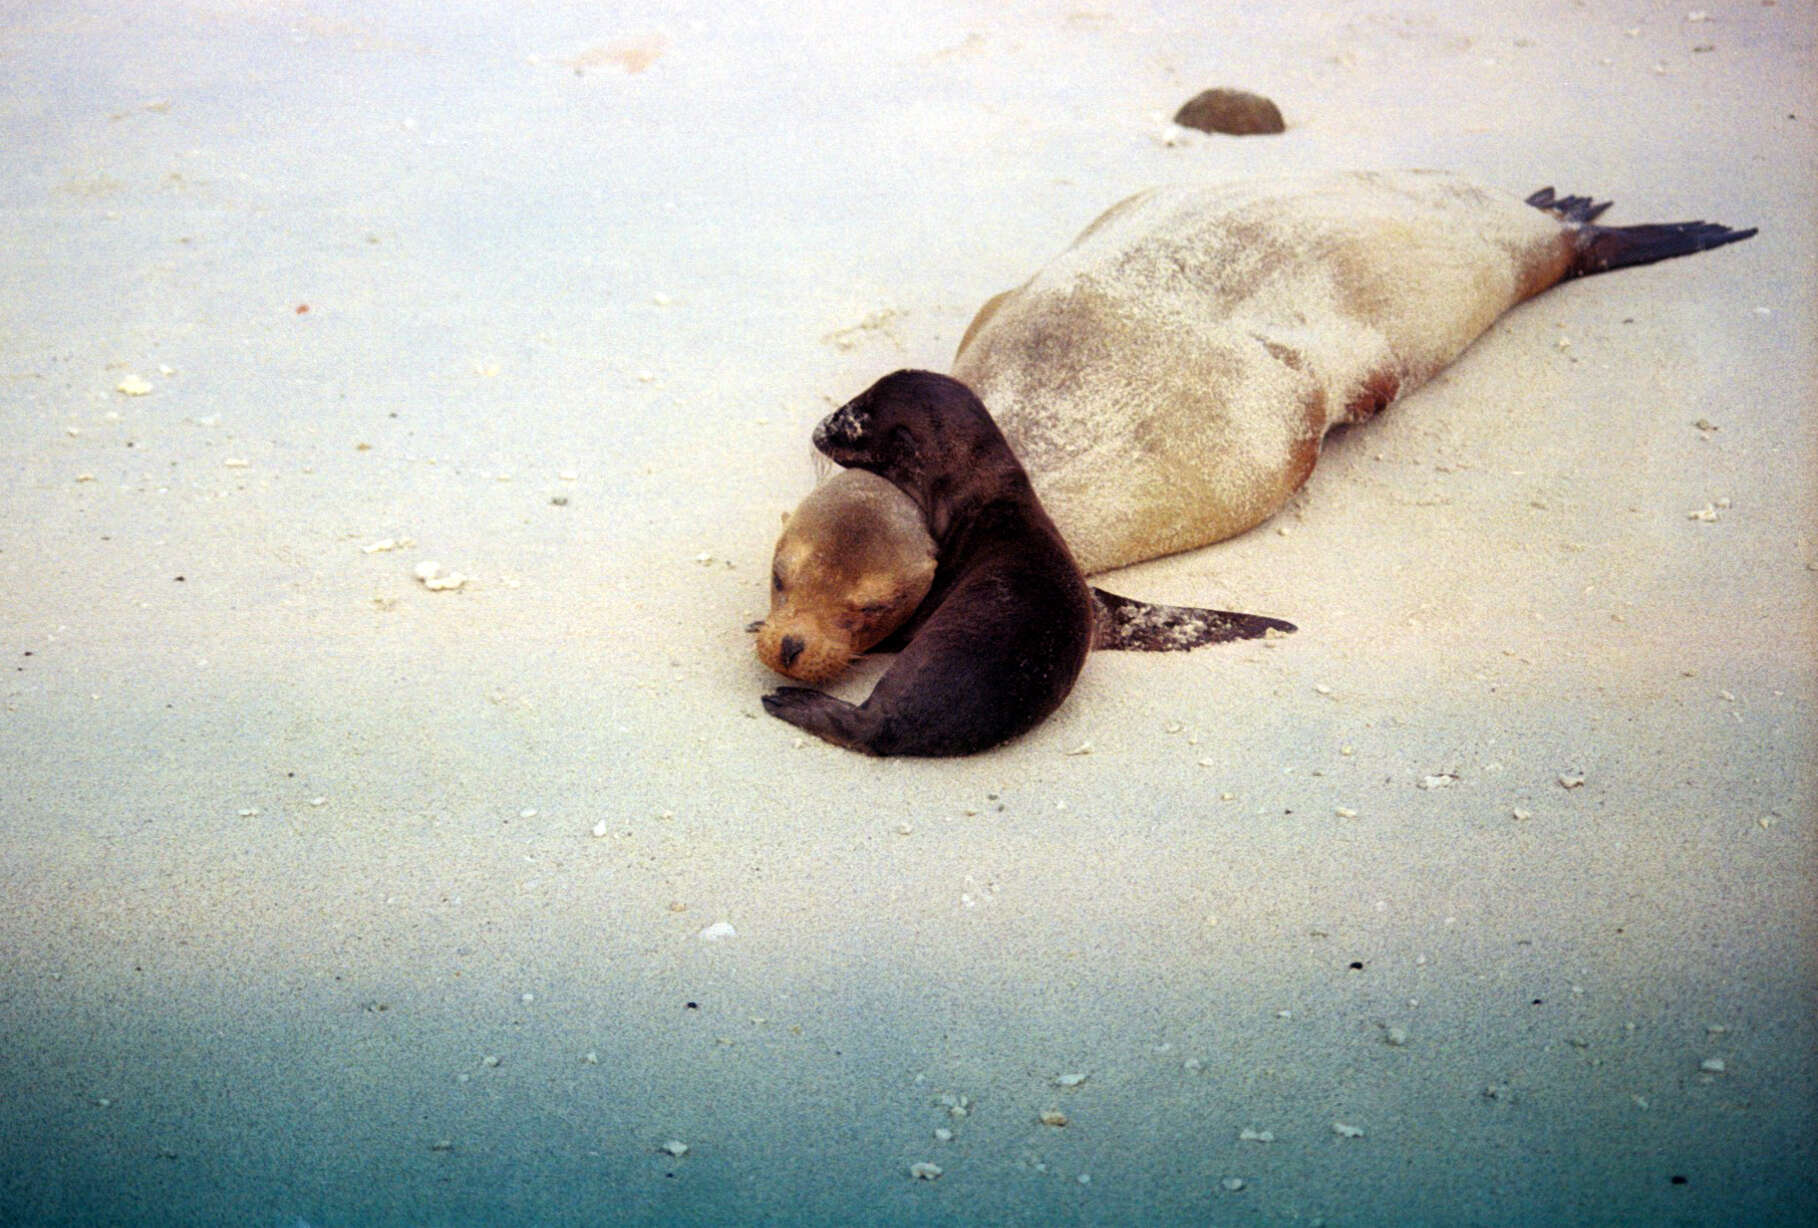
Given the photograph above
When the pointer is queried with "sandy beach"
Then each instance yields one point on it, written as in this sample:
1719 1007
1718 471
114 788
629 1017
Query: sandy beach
334 898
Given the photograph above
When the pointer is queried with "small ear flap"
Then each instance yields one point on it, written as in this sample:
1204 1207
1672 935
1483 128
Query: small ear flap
786 516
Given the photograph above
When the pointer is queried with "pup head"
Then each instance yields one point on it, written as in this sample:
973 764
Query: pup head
852 564
926 432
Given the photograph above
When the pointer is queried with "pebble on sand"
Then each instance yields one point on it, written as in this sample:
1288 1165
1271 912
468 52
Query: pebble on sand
1231 112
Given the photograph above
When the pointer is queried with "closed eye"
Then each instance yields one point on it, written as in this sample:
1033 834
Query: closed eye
776 581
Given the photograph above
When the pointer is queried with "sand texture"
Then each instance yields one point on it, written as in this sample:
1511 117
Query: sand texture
399 405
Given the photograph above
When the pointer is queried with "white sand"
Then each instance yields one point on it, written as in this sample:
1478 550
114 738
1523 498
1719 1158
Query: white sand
224 1003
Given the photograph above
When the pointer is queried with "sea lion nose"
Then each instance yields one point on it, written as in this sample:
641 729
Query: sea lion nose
791 649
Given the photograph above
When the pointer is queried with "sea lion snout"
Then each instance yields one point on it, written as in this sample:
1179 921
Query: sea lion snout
841 432
806 650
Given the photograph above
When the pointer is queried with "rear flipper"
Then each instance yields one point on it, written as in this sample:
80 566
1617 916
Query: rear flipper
1124 623
1602 248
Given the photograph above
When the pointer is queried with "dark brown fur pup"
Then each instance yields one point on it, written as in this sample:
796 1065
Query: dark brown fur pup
1001 637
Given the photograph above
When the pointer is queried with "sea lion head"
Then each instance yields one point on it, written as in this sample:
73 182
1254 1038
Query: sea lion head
928 434
851 566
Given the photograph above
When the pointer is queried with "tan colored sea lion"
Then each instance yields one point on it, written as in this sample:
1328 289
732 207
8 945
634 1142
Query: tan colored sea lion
1167 380
852 564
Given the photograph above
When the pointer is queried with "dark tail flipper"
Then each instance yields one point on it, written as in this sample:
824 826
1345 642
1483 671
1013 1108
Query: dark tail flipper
1602 248
1140 627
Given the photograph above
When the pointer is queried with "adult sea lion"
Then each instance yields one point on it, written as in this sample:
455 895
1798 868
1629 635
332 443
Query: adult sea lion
854 562
1009 620
1166 381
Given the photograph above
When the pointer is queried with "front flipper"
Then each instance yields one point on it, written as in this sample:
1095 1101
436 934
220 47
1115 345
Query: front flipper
1138 626
822 715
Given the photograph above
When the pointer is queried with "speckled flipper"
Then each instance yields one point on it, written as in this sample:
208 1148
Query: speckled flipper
1138 626
1598 249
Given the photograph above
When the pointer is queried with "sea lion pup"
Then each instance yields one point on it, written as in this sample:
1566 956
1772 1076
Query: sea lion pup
853 563
1167 380
855 560
1008 623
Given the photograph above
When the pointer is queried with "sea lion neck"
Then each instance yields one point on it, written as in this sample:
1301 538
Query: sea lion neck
954 497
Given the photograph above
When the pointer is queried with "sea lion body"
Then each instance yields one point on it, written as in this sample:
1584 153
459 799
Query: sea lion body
852 564
1006 627
1167 380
